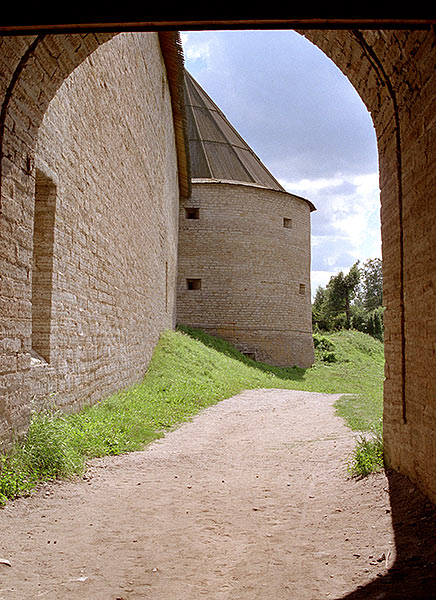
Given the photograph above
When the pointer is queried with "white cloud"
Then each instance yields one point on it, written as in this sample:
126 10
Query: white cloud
195 49
320 278
346 224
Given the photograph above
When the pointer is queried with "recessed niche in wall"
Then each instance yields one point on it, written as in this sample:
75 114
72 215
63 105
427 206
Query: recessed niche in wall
251 355
42 265
302 288
193 284
192 212
287 223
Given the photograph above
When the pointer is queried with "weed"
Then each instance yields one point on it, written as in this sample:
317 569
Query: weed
367 456
47 451
14 479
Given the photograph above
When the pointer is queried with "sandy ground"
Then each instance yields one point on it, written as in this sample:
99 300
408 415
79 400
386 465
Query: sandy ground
250 500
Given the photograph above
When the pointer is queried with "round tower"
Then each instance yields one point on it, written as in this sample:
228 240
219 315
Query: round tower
244 245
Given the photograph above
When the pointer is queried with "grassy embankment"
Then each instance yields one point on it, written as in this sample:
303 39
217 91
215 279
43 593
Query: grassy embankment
188 373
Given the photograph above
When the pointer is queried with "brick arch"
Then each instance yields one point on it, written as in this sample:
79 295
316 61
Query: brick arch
393 72
37 67
33 69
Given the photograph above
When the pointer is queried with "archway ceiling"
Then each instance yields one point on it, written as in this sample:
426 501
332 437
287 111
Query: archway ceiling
26 24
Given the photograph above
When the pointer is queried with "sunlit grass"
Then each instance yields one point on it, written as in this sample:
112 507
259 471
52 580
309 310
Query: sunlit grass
188 372
367 456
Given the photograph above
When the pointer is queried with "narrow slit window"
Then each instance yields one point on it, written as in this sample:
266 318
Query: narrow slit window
287 223
192 213
302 289
193 284
42 265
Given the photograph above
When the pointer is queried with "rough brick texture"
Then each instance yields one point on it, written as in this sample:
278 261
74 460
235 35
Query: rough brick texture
254 270
395 74
87 290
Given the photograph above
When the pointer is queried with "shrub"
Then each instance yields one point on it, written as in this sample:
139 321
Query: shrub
370 322
324 349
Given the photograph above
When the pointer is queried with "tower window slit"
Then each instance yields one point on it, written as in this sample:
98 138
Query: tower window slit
193 284
192 212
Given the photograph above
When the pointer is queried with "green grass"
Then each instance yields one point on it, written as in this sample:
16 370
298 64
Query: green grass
367 456
356 372
188 372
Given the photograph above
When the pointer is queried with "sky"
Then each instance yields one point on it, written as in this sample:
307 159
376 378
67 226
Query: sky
307 124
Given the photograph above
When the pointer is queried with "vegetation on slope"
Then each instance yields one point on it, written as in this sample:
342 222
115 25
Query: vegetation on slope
188 372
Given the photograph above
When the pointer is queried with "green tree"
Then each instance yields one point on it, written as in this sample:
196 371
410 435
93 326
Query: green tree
351 300
368 321
371 284
341 290
320 320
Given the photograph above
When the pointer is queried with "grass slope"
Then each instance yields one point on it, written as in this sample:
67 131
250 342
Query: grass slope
356 371
188 372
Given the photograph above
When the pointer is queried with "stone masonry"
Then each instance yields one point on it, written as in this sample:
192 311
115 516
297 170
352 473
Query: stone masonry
394 72
248 249
88 283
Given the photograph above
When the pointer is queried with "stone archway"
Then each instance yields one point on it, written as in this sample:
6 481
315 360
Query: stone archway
33 68
36 67
394 72
38 70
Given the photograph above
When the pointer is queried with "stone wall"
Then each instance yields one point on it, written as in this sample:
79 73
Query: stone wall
395 74
100 264
246 256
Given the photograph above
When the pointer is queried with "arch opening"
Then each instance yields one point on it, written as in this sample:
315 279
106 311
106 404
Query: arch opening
372 65
393 72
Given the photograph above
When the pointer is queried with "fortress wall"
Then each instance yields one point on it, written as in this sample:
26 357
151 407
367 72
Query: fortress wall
254 271
395 74
102 263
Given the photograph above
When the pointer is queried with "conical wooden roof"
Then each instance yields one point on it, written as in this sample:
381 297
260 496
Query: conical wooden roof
216 149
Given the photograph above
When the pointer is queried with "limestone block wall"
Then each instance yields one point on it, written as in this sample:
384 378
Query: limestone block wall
244 269
409 251
395 75
101 261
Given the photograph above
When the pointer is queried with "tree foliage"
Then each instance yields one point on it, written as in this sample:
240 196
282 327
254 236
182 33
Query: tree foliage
351 300
370 292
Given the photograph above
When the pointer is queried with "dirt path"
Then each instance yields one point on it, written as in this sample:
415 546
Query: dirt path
250 500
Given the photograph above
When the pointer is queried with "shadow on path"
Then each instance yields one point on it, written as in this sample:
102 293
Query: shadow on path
413 574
